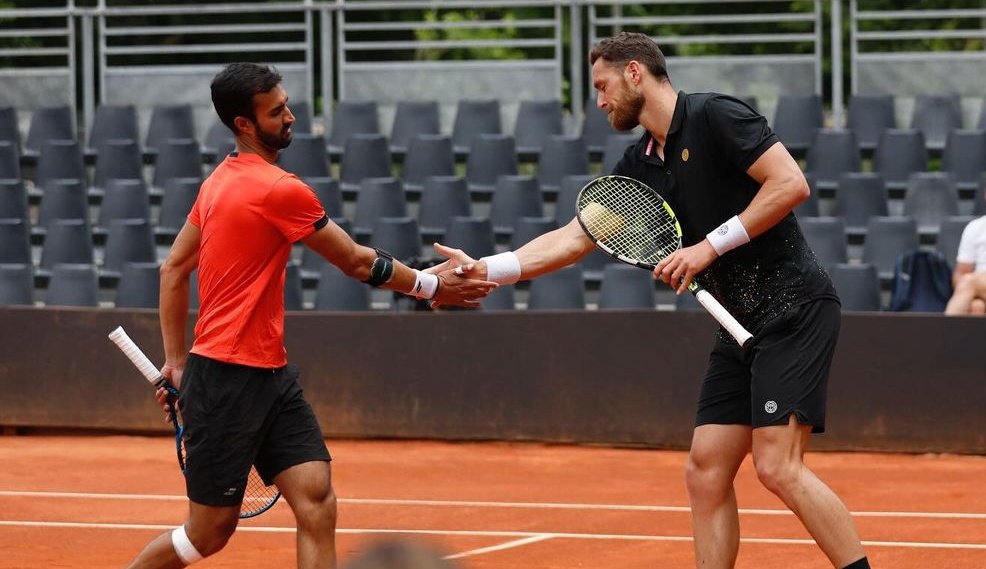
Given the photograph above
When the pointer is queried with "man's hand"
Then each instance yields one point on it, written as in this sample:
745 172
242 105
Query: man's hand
457 289
458 259
172 372
679 268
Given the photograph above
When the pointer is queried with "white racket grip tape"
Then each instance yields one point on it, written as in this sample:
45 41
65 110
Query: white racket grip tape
128 347
723 316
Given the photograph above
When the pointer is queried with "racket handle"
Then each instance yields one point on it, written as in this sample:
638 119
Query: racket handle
130 349
723 316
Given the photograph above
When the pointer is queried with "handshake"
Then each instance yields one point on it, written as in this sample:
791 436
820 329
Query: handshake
462 279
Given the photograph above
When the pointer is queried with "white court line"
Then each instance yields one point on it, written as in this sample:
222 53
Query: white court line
488 504
502 546
480 533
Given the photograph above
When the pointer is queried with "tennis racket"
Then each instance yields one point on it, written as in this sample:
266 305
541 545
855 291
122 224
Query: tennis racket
631 222
258 497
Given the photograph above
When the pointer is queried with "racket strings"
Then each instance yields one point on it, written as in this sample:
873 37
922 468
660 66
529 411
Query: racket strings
258 496
632 220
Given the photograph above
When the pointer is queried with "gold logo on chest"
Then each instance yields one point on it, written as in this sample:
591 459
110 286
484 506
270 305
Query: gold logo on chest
684 155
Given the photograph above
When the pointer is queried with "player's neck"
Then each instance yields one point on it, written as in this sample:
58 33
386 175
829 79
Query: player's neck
246 145
658 111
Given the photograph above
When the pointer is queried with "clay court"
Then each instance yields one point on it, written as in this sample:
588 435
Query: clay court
85 502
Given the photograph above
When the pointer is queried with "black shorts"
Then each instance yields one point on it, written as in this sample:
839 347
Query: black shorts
785 371
237 416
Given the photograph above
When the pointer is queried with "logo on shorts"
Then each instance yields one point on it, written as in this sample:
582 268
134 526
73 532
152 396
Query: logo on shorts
229 492
770 407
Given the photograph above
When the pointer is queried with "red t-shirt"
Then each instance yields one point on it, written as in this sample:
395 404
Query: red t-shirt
249 212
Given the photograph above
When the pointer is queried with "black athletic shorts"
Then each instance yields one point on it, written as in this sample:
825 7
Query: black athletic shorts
785 371
237 416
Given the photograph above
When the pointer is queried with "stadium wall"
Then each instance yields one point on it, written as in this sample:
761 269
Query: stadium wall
908 383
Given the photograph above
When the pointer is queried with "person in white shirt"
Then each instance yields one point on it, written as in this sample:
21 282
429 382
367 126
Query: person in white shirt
969 277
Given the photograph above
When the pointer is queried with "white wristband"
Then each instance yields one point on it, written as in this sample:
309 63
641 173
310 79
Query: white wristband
503 268
183 547
728 236
425 285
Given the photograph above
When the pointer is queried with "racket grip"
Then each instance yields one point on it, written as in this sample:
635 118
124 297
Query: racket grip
130 349
723 316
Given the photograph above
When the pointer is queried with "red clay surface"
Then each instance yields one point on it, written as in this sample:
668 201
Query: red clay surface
85 502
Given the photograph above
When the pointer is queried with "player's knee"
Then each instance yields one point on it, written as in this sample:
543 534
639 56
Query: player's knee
705 480
778 474
319 510
208 539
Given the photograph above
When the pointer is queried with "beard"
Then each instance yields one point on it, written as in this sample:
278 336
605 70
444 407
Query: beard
626 110
278 141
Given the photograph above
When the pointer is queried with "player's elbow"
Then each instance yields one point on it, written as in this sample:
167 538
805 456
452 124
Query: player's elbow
797 188
356 265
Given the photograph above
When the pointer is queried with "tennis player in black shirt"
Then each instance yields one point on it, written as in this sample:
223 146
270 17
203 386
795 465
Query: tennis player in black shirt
733 186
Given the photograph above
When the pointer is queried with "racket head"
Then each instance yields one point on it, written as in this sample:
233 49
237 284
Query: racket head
628 220
258 497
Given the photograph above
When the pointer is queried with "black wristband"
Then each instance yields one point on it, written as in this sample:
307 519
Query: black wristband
382 268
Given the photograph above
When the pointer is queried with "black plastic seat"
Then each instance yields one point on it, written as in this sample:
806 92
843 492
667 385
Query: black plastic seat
442 198
831 154
112 122
73 284
899 154
399 236
931 197
562 155
626 287
490 156
10 163
474 235
858 286
796 118
473 118
337 292
329 194
499 299
139 286
66 241
527 228
869 116
60 159
49 123
536 121
560 290
514 197
886 239
412 118
809 207
305 157
124 199
302 111
568 193
127 241
950 234
378 197
10 127
349 118
827 238
176 203
964 156
62 199
365 156
16 284
596 128
169 122
427 155
935 115
15 242
13 199
216 138
176 158
116 159
859 197
616 147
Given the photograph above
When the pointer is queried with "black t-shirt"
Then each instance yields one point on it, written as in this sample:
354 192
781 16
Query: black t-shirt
712 141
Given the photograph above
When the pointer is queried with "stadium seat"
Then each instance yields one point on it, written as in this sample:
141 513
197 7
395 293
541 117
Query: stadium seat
302 111
827 238
412 118
49 123
562 155
886 239
365 156
858 197
796 118
73 284
964 156
305 157
594 264
568 193
63 199
176 203
474 235
979 199
10 128
216 138
831 154
536 121
10 166
112 122
378 197
900 153
169 122
15 242
514 197
935 115
626 287
176 158
687 303
349 118
61 159
499 299
116 159
527 228
931 197
473 118
616 147
868 117
559 290
16 284
139 286
858 286
337 292
127 241
810 206
329 194
981 125
596 129
13 199
399 236
427 155
490 156
124 199
949 236
66 241
442 198
293 295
